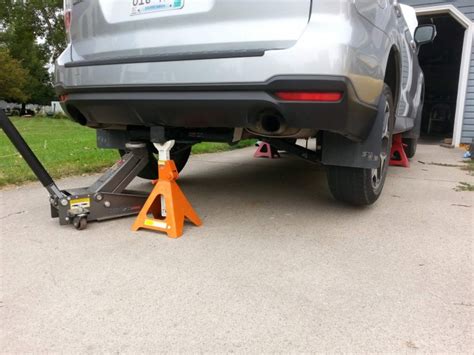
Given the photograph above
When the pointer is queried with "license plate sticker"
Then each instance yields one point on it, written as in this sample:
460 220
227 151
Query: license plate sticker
140 7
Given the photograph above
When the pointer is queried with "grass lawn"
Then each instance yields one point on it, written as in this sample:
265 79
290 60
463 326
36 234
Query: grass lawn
66 148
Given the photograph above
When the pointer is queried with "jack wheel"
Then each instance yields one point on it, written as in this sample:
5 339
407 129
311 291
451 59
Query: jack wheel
80 223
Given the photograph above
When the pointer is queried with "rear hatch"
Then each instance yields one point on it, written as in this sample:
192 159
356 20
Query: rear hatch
111 29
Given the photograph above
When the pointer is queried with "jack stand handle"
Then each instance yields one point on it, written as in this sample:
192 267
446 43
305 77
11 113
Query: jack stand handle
29 157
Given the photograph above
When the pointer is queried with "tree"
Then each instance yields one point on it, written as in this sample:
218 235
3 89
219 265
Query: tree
50 25
33 32
13 78
43 18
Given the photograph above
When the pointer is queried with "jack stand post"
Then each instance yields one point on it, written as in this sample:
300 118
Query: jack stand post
167 207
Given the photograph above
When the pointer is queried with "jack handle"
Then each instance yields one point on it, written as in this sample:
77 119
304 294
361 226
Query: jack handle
29 157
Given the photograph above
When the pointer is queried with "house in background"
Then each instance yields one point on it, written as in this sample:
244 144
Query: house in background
56 108
448 64
3 105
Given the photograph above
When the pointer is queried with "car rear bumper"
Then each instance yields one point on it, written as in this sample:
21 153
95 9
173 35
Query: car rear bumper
232 106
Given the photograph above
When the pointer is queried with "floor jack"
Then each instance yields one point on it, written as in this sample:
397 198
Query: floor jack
166 208
106 199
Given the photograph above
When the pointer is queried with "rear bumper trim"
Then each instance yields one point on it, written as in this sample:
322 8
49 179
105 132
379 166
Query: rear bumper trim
167 58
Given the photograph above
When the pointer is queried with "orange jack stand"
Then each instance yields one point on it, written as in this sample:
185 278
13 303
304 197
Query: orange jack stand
398 156
265 150
166 207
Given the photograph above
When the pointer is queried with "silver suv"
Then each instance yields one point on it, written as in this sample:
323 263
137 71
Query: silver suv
343 71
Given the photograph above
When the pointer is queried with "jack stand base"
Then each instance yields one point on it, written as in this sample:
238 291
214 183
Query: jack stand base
166 208
398 156
265 150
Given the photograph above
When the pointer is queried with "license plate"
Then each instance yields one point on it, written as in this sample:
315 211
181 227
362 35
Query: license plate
140 7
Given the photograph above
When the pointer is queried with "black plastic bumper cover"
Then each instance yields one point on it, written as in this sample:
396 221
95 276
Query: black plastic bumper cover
237 105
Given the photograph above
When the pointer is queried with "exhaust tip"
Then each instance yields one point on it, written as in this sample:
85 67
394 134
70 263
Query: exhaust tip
270 122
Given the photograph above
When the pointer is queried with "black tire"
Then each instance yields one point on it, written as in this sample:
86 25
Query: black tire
179 154
409 146
361 187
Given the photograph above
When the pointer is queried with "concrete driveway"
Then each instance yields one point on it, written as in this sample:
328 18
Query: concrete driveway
277 266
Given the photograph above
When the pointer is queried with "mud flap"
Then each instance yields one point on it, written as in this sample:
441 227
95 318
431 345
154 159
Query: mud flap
338 150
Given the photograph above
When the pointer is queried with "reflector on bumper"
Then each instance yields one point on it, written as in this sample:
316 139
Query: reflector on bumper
309 96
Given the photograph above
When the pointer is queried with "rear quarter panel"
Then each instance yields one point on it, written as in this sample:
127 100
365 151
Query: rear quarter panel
376 12
384 16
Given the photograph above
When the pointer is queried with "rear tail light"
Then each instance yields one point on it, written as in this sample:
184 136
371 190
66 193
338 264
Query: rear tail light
313 96
67 18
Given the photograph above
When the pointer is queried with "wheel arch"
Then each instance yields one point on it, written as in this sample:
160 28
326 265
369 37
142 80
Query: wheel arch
392 75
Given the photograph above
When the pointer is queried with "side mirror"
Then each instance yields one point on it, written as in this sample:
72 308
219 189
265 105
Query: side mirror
425 34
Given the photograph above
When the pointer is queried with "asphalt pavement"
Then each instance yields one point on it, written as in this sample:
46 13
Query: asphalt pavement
277 266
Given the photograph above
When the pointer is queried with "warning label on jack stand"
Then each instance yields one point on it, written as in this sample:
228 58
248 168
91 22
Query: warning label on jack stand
157 224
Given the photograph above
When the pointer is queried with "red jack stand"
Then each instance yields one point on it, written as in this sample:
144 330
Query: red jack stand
398 156
265 150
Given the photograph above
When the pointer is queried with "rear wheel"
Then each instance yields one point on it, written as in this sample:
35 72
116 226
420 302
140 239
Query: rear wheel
364 186
409 145
179 154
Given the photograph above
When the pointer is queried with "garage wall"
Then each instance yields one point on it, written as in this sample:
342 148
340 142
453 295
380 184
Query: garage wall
466 7
468 123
